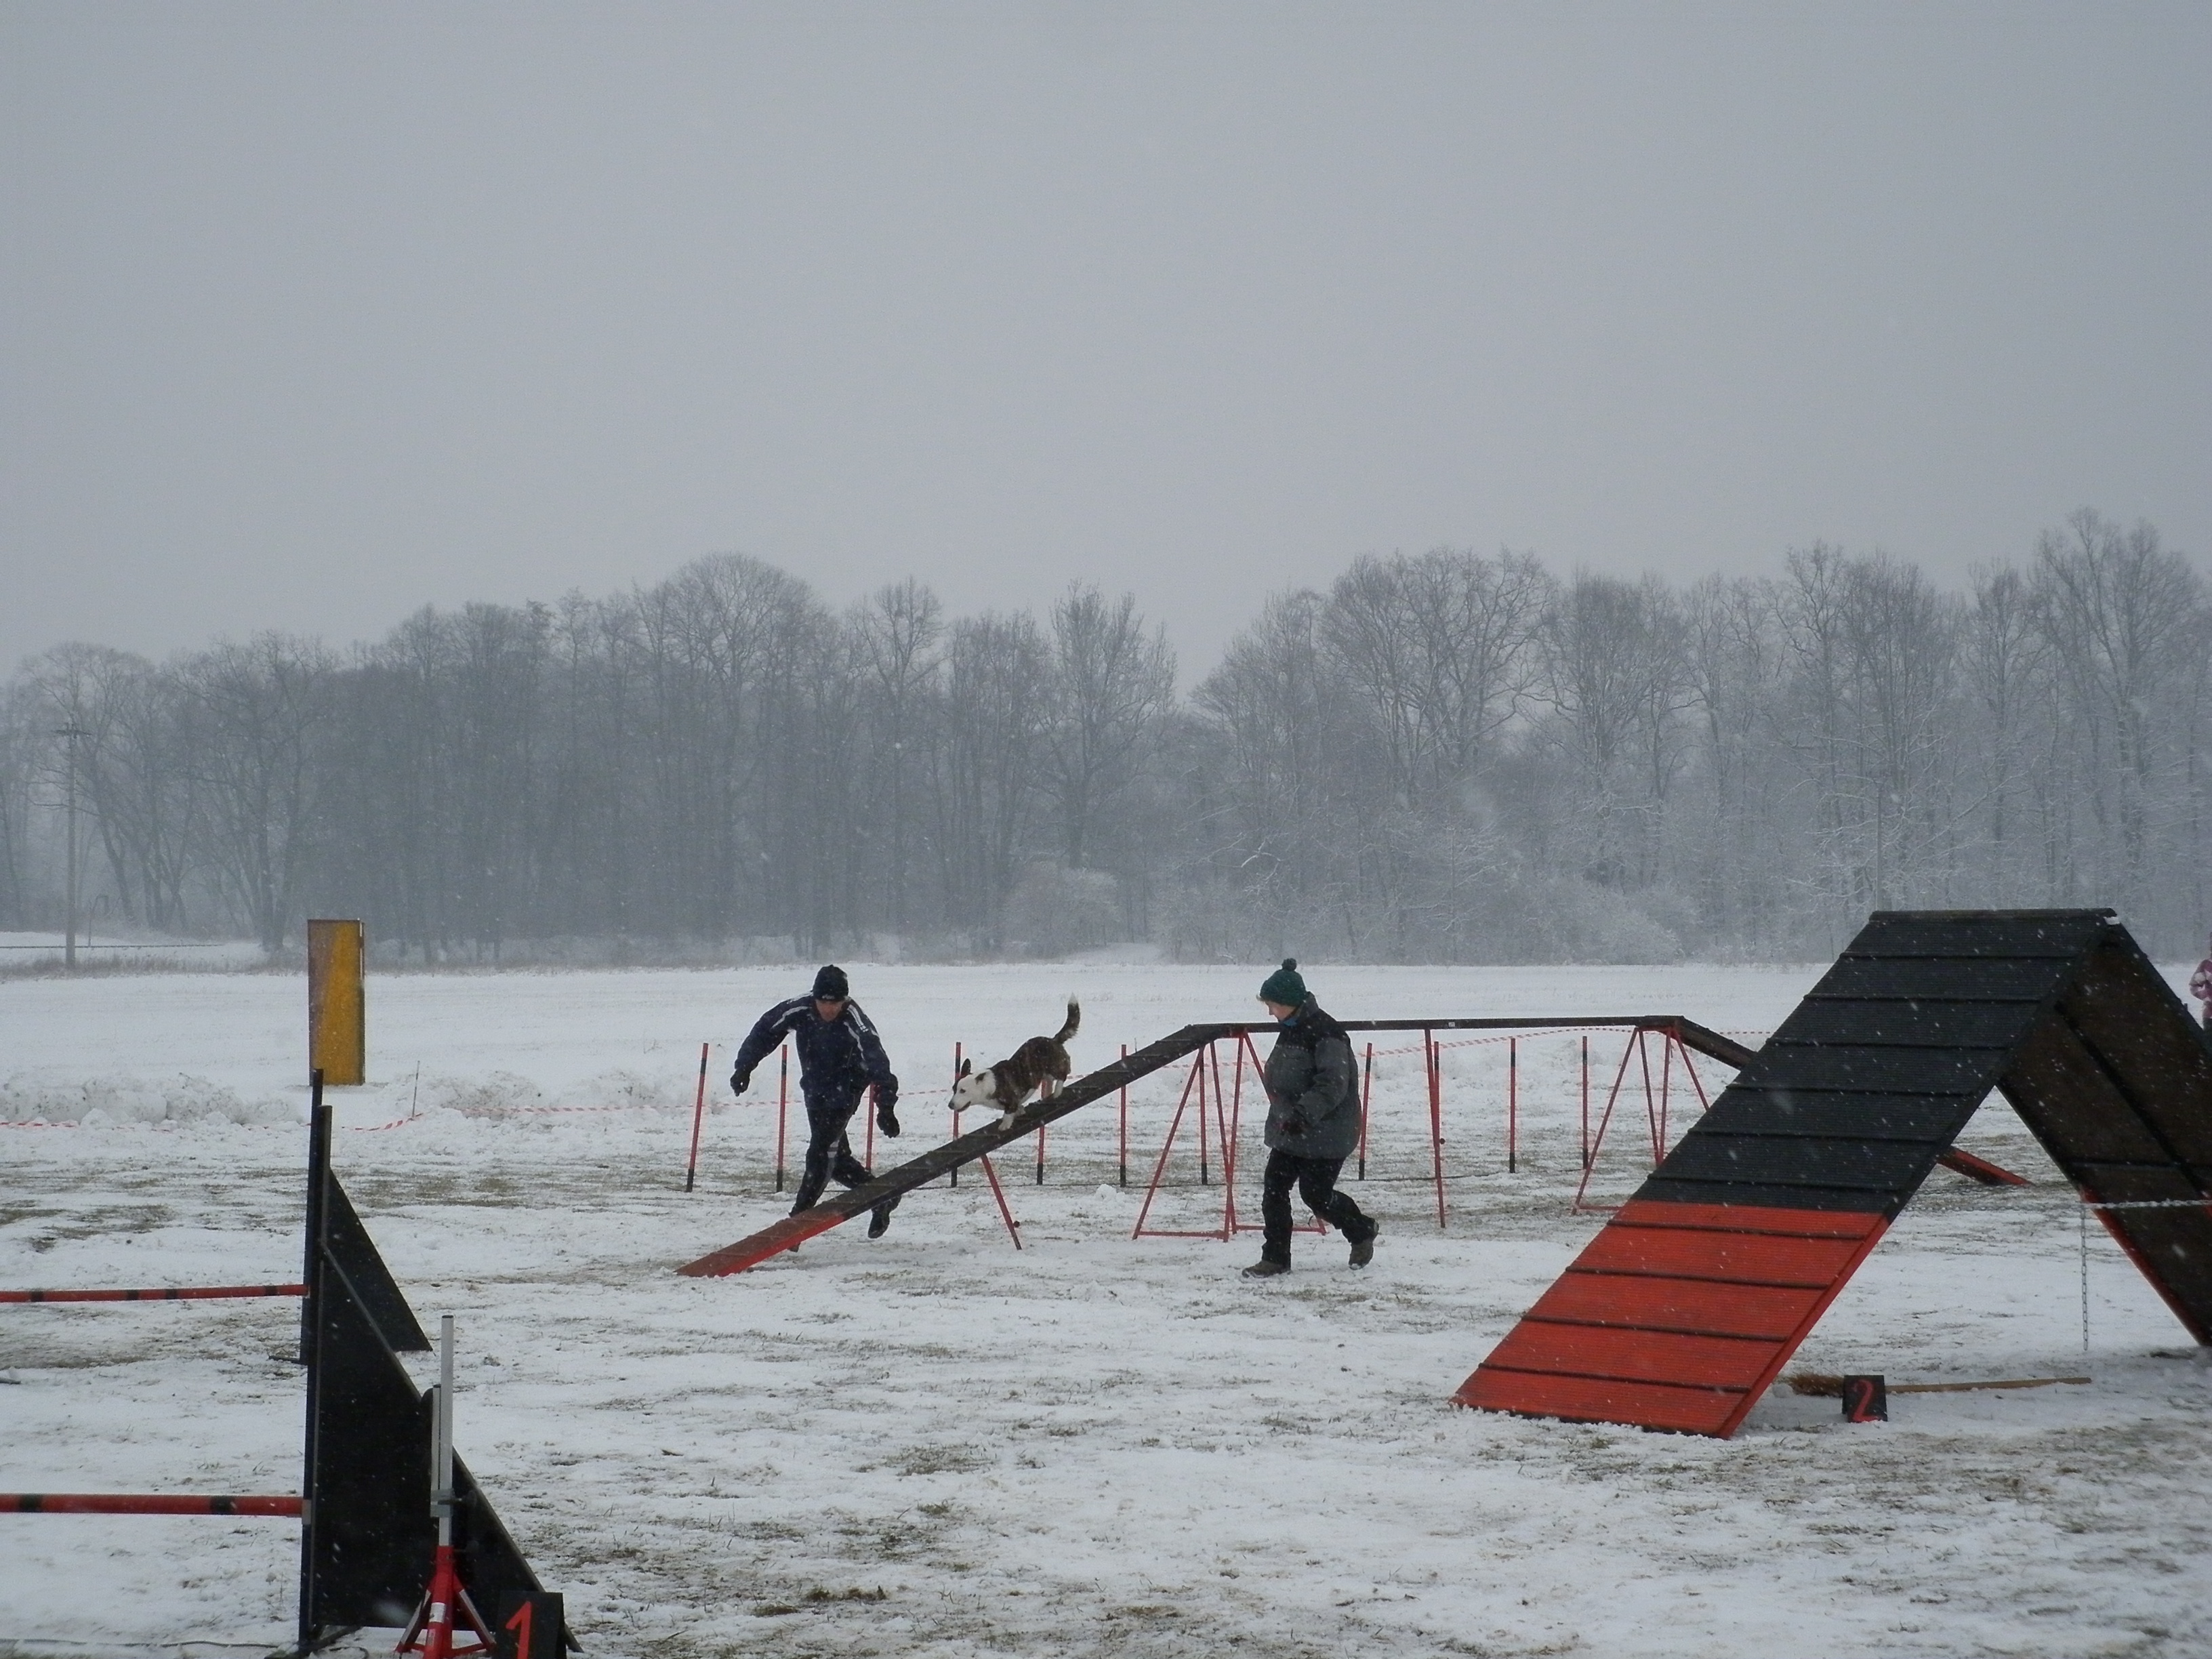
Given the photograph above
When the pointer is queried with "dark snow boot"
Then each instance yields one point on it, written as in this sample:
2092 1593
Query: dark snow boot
1264 1268
879 1219
1363 1251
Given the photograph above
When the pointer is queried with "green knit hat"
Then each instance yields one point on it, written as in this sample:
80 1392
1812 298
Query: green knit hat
1283 986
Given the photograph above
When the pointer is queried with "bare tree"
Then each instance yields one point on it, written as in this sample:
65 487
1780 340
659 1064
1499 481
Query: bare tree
989 774
1616 677
2121 614
261 711
1112 684
2002 659
901 628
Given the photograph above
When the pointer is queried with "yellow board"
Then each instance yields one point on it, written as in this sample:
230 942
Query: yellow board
337 1021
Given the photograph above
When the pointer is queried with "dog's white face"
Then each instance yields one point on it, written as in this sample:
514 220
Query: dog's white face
973 1089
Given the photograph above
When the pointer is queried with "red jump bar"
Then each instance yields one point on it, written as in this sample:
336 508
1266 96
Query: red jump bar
210 1294
100 1502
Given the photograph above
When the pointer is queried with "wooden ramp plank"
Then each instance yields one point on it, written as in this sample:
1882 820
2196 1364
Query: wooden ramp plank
1591 1399
1675 1304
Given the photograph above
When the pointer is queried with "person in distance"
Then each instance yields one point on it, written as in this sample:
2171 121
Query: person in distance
839 1056
1313 1123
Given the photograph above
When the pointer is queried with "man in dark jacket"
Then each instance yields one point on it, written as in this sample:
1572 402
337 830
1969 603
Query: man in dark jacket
839 1056
1313 1123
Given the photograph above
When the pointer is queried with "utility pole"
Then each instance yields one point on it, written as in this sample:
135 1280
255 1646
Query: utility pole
71 733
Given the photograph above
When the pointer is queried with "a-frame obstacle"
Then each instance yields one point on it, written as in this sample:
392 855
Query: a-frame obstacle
1685 1308
791 1230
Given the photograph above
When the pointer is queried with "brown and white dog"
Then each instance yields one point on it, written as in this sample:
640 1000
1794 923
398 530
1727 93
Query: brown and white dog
1037 1064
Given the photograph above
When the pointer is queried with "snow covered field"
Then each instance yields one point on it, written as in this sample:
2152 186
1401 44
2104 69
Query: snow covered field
932 1444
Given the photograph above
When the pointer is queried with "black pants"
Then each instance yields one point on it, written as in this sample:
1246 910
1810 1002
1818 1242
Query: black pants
828 1153
1315 1179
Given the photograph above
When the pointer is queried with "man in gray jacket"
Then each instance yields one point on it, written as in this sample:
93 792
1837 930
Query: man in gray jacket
1313 1123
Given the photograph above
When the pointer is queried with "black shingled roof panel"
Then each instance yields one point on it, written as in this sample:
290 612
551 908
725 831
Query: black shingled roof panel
1782 1065
1821 1112
1910 1023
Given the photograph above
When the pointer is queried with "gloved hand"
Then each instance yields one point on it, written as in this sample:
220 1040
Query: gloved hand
1295 1125
739 1081
887 1116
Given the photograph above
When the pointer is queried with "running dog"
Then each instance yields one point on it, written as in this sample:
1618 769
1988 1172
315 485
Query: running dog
1037 1064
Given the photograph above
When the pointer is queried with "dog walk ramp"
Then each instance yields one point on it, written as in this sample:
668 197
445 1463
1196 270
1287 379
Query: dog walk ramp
796 1230
1685 1308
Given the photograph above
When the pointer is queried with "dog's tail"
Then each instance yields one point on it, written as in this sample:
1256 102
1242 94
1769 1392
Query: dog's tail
1074 1019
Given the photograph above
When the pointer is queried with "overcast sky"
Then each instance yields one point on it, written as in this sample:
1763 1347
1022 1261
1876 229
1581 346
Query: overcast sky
314 314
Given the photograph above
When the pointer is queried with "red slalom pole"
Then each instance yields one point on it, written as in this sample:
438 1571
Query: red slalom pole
1436 1115
782 1107
212 1293
1512 1101
698 1117
953 1176
868 1157
1586 1146
102 1502
1125 1123
1202 1179
1366 1090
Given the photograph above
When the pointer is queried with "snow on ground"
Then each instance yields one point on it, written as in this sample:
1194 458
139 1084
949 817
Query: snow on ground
932 1444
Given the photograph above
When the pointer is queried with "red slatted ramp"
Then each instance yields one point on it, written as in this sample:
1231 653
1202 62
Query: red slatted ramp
1675 1316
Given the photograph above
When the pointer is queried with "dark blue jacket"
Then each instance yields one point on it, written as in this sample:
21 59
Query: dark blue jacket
837 1058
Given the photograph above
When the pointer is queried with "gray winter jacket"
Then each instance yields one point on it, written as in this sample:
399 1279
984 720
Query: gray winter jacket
1313 1088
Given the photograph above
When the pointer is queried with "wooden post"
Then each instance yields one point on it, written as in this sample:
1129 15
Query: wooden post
338 1037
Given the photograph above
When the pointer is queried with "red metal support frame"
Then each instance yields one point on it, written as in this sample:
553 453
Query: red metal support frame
1167 1146
1226 1138
1651 1117
1204 1095
1231 1223
1231 1138
1605 1118
1005 1213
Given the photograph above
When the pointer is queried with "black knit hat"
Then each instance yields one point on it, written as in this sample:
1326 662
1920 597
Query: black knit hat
1283 986
830 985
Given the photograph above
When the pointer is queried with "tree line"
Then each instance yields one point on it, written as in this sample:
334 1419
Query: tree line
1447 757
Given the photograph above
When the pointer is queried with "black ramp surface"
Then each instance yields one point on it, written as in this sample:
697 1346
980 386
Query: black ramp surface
1851 1102
2118 1086
356 1252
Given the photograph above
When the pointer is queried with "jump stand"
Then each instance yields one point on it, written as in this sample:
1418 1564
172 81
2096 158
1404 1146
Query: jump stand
368 1547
